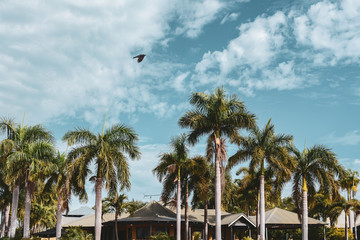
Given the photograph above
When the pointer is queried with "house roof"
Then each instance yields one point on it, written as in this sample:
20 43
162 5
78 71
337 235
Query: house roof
151 212
278 217
156 212
83 211
89 220
237 219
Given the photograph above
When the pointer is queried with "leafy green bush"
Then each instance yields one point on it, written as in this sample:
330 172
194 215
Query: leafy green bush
337 234
162 236
247 238
76 233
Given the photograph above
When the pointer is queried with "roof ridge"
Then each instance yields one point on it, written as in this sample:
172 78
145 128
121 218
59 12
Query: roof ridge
271 214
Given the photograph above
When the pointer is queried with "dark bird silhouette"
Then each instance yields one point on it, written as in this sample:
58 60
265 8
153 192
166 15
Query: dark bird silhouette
140 57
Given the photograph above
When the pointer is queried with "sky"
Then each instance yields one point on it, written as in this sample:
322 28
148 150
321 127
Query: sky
65 63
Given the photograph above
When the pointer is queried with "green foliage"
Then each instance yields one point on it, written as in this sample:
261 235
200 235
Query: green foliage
76 233
337 234
197 235
162 236
134 205
247 238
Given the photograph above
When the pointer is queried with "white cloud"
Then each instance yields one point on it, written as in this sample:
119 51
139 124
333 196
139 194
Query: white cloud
178 82
229 18
67 58
281 51
357 161
351 138
250 61
331 29
194 15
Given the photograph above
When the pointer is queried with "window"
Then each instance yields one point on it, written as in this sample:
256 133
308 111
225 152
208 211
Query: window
129 233
162 229
142 232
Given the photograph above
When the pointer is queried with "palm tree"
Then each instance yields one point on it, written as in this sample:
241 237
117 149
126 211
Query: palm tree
218 116
64 185
107 151
115 203
349 183
9 128
202 180
169 170
260 147
133 206
316 165
355 206
31 151
5 201
5 193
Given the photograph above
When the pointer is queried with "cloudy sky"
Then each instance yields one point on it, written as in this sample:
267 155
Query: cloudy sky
65 63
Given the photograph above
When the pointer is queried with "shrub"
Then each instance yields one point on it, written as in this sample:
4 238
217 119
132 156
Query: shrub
76 233
338 234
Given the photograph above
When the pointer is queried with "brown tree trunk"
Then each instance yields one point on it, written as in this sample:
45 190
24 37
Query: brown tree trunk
98 206
258 217
178 208
186 211
206 225
116 225
346 228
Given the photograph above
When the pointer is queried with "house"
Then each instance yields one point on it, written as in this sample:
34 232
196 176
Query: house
155 218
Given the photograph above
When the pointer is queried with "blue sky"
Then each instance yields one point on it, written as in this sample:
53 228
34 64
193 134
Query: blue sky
65 63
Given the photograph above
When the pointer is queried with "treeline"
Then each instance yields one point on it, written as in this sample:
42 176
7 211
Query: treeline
37 182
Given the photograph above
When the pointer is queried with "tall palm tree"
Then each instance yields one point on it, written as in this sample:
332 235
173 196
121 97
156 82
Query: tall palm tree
349 182
34 161
316 165
217 116
5 201
202 177
107 150
355 207
5 193
31 151
265 146
64 185
169 170
115 203
9 128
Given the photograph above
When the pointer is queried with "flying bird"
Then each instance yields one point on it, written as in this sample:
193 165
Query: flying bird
140 57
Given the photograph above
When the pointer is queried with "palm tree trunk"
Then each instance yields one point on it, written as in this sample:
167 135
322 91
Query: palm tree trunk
217 190
178 208
304 215
116 225
98 206
186 211
355 228
206 225
58 218
7 218
262 208
346 227
2 223
349 198
14 204
26 232
258 217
